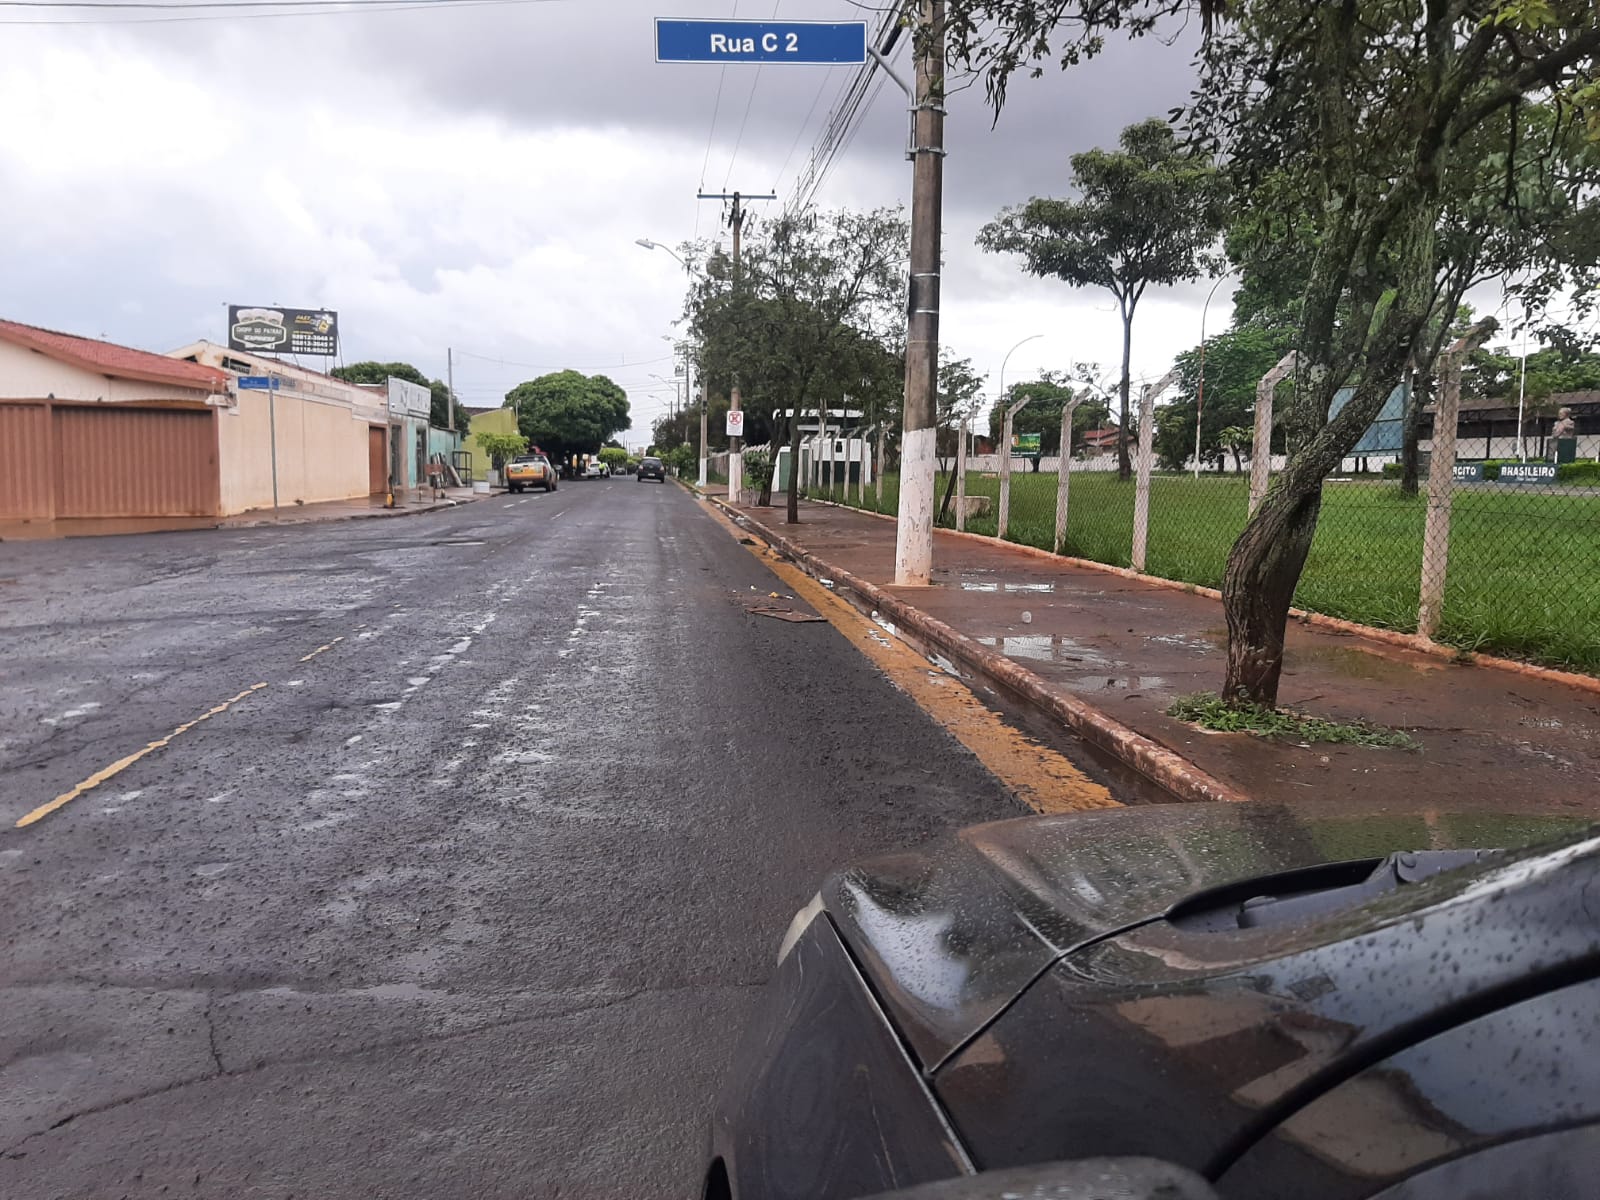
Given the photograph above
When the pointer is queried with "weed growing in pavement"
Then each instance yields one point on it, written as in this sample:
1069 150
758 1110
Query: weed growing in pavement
1210 711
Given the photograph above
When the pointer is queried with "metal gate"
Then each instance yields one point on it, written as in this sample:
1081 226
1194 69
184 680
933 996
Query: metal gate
377 460
135 462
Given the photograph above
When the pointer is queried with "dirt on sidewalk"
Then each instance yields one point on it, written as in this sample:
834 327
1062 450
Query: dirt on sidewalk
1130 648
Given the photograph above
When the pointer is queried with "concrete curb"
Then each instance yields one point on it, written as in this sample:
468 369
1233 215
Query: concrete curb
1373 633
375 514
1163 767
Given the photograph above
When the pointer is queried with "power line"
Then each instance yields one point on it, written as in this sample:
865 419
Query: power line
837 132
313 8
749 102
511 362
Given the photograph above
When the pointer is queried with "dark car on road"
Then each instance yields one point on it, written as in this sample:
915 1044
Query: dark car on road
652 468
1272 1002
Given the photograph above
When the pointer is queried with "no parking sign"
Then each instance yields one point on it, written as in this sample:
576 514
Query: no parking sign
735 422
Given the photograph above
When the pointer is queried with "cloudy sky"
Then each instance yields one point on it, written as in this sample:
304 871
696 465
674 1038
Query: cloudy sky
475 176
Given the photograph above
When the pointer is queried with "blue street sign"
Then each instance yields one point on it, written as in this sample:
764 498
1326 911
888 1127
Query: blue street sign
258 383
826 42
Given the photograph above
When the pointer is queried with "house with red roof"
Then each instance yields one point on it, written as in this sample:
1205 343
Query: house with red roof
92 429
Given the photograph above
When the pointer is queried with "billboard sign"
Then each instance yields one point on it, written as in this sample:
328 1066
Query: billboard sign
408 399
261 330
1025 443
818 42
1467 472
1528 473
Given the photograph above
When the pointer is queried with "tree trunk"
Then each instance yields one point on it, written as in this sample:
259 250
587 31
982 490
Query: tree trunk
949 490
1258 585
794 468
1124 467
1411 434
764 500
1238 462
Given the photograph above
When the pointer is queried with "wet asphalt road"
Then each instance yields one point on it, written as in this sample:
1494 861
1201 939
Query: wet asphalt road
469 904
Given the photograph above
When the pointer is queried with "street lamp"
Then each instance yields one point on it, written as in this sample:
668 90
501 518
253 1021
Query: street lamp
1003 362
690 271
1200 388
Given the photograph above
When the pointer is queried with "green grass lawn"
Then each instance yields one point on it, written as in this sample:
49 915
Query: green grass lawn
1522 562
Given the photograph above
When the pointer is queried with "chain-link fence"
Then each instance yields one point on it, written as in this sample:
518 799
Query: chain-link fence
1493 556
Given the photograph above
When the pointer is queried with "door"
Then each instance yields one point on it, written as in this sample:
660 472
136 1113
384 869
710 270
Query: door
377 460
115 461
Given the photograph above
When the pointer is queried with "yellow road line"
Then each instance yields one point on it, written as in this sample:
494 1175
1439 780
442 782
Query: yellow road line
322 649
122 764
1042 778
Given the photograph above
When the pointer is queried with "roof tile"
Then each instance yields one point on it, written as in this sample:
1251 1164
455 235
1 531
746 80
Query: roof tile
117 362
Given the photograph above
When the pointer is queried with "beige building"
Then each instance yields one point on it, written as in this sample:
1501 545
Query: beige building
332 437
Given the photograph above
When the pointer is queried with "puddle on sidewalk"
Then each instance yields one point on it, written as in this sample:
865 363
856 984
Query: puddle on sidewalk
1052 648
1354 662
1112 683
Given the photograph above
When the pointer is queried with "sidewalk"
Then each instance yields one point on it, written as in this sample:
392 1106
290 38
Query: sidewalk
1080 643
417 501
293 514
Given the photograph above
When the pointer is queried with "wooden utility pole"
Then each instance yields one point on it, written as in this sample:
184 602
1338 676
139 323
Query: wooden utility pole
913 553
736 216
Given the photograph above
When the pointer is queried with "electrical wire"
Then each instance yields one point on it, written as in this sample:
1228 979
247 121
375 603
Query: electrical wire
314 8
748 104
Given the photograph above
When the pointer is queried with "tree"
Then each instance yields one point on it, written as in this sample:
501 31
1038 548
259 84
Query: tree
1145 214
1235 363
959 388
613 457
1049 394
379 372
567 413
1234 439
816 308
1346 117
501 447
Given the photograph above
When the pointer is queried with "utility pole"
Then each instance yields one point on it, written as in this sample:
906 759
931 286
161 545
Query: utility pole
913 552
450 386
736 216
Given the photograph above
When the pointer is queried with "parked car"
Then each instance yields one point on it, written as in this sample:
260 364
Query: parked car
595 469
530 471
652 468
1285 1002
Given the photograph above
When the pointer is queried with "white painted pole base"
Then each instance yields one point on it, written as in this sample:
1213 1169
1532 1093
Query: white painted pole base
913 543
702 472
735 476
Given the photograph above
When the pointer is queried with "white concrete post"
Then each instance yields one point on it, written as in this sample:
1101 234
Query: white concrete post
1141 495
961 476
1441 479
1005 467
1064 474
1261 444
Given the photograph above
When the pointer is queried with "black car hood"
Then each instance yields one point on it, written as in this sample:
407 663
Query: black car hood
949 935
